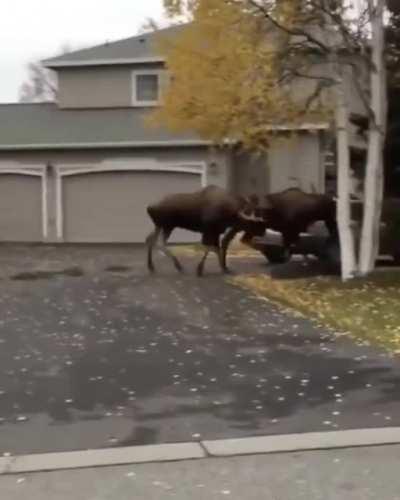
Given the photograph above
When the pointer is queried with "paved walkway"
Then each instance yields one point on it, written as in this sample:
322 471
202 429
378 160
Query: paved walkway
96 359
351 474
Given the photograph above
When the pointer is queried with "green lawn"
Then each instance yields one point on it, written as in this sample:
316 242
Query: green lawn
369 310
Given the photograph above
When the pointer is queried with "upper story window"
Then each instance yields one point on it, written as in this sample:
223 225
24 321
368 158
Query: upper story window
146 87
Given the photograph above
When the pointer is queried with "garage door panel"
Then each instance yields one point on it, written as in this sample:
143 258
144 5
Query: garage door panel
20 208
111 206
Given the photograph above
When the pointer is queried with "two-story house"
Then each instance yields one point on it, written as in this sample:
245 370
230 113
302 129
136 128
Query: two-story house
84 168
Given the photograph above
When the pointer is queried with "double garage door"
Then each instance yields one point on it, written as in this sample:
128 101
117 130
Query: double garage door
92 207
111 206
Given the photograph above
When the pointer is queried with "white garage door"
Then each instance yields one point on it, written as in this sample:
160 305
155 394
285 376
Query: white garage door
110 207
20 208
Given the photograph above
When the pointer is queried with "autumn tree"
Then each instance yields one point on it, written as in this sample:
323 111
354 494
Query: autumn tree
41 83
235 68
224 66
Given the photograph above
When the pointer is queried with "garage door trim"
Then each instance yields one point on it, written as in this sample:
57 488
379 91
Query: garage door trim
145 165
13 168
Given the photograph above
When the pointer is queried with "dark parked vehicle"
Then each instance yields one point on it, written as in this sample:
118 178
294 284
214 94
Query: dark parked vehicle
317 241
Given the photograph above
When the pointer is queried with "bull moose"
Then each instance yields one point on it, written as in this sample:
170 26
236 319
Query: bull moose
289 212
210 211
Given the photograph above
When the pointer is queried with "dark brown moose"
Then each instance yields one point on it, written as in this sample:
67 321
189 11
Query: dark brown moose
289 212
210 211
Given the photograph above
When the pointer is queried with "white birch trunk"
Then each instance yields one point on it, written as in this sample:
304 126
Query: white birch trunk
347 243
373 187
343 208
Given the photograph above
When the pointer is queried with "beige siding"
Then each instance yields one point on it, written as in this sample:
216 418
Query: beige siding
20 208
251 174
303 88
95 88
296 163
169 156
111 206
354 99
100 86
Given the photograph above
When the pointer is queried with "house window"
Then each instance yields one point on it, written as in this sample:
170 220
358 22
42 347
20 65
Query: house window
146 88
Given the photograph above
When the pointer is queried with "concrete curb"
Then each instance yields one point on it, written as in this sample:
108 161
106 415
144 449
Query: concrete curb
101 457
189 451
303 442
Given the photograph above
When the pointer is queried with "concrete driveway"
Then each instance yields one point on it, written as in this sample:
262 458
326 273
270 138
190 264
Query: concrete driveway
96 353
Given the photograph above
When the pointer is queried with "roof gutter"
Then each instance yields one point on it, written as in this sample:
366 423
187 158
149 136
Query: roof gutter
48 63
148 144
303 126
103 145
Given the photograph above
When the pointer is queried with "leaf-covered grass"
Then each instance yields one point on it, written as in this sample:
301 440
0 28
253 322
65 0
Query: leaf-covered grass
235 250
368 310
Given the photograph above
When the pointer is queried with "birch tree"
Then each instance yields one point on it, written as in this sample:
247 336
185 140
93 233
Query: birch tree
346 235
373 191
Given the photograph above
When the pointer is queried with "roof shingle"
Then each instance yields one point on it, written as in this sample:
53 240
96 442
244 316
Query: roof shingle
119 52
45 126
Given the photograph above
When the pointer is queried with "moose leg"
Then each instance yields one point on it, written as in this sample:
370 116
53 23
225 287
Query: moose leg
211 244
166 233
331 225
207 250
200 267
226 241
151 240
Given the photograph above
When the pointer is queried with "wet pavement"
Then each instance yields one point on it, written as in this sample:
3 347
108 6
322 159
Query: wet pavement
96 353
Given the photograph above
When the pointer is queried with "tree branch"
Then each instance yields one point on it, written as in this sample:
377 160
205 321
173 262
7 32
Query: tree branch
317 92
293 32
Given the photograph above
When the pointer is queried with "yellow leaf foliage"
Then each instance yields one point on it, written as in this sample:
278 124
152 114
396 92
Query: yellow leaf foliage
225 67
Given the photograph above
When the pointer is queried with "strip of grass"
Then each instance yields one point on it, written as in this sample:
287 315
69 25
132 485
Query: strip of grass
236 250
369 309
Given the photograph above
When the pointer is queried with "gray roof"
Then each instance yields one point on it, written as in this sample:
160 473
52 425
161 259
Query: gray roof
133 49
45 126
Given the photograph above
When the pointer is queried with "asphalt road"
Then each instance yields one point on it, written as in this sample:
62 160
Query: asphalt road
94 358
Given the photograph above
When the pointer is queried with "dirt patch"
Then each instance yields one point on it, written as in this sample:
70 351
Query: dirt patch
73 272
118 269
